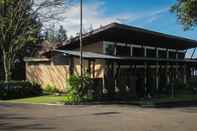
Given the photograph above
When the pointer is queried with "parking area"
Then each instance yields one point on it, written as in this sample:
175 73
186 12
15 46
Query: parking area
19 117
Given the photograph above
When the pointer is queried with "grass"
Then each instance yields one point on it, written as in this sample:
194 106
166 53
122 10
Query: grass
52 99
47 99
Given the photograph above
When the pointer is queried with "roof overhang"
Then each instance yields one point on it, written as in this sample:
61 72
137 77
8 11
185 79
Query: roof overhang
30 59
132 35
93 56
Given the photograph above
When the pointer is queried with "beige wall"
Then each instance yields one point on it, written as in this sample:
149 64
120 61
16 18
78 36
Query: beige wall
95 47
99 67
45 74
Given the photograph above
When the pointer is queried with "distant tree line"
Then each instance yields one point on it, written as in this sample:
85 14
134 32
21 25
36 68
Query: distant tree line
53 35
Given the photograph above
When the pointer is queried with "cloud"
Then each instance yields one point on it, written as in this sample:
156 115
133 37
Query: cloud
94 15
156 15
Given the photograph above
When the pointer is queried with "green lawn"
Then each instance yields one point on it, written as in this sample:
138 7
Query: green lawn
48 99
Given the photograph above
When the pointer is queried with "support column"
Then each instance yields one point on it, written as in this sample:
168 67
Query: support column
131 50
176 68
145 78
89 67
145 73
184 74
93 68
71 67
157 70
167 69
167 74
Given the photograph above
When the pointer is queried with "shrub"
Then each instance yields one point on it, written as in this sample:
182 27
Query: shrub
192 84
78 93
51 89
184 89
19 89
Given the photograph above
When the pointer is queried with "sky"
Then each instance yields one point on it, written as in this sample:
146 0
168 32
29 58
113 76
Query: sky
149 14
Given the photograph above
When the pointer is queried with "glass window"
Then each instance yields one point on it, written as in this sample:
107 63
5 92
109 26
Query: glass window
181 55
109 49
151 53
162 54
138 52
172 55
123 51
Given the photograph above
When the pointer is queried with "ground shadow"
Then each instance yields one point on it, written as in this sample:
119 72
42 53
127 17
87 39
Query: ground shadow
14 122
190 110
105 113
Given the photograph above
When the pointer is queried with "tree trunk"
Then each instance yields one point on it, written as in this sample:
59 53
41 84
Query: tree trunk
7 67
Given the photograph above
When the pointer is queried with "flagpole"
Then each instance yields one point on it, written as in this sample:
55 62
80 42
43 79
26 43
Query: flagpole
81 35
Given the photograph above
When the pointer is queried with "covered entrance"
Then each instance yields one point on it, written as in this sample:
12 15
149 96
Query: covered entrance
140 77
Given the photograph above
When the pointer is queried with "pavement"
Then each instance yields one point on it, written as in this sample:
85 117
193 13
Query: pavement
24 117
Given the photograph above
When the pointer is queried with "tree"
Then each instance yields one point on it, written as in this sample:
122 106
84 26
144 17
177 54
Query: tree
20 24
61 34
186 11
51 34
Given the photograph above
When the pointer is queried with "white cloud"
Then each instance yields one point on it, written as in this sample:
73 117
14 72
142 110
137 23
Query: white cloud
95 16
155 15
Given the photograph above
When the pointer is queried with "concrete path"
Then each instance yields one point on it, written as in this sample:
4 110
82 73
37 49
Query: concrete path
21 117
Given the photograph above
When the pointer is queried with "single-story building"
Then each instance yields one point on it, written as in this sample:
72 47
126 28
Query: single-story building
121 59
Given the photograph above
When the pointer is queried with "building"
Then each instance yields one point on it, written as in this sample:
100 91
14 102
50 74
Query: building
123 60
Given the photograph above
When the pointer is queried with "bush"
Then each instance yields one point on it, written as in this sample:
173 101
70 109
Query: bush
19 89
184 89
51 89
192 84
78 93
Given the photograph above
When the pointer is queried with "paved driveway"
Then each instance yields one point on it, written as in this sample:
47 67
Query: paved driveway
20 117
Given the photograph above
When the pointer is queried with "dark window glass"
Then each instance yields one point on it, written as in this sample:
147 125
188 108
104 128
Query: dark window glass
162 54
151 53
123 51
181 55
172 55
110 49
60 59
138 52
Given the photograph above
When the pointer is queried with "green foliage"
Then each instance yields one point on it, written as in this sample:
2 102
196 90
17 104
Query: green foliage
78 93
19 26
53 35
61 35
186 11
51 89
192 84
19 89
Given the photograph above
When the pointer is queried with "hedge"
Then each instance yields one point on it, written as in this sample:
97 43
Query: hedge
19 89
